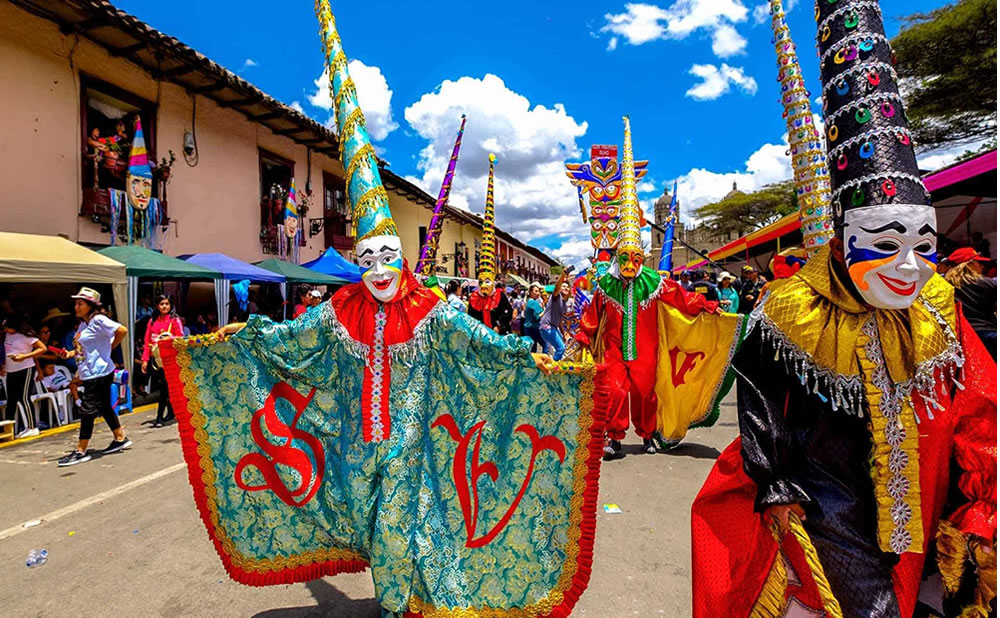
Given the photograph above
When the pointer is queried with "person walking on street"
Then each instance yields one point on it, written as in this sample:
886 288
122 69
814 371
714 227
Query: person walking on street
21 347
533 315
303 303
750 291
729 298
95 337
165 322
456 302
551 323
701 285
978 294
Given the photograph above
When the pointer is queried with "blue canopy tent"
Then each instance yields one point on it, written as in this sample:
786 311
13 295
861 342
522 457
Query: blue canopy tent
232 270
333 264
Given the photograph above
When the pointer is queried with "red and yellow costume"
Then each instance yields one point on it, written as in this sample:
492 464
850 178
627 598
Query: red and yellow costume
620 328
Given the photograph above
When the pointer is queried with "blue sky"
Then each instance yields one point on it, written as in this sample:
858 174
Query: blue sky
540 81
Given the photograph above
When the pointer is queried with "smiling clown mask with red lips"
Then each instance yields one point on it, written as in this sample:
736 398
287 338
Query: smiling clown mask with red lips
381 262
890 251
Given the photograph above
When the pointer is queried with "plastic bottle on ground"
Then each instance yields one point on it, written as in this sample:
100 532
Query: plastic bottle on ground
36 557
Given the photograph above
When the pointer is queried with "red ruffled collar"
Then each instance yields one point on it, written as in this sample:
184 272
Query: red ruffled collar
355 309
485 303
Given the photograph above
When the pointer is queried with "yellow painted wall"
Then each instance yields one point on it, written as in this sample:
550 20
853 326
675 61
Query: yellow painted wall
215 204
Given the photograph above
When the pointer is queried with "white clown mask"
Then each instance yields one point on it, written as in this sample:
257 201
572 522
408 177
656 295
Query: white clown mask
381 262
891 252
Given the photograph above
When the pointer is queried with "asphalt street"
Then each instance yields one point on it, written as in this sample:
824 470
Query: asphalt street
123 536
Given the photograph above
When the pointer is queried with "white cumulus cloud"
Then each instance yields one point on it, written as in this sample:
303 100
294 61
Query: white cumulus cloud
642 23
532 143
767 165
374 97
717 81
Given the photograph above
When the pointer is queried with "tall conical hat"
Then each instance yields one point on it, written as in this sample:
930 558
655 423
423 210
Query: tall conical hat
369 201
629 215
428 253
291 201
488 248
870 157
138 158
812 179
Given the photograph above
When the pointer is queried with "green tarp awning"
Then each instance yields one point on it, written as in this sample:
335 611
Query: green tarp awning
142 262
299 274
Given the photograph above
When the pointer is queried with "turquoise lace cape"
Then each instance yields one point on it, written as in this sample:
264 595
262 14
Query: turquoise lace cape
483 497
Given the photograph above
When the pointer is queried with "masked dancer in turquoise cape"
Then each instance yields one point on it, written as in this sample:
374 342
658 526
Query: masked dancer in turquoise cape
388 431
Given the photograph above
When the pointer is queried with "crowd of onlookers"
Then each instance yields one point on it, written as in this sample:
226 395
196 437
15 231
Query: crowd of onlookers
44 350
733 296
79 354
548 319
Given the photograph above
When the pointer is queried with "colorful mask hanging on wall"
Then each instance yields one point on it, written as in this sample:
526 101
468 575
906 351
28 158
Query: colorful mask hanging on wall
289 233
141 211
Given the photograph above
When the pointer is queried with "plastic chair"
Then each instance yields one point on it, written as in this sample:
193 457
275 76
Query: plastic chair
66 396
43 395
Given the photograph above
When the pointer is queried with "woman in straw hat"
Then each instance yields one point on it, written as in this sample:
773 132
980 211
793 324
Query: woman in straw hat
96 336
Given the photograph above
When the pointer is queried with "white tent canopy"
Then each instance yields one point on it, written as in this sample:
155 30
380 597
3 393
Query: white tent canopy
29 258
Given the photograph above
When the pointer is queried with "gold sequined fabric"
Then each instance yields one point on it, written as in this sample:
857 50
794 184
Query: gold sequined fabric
895 364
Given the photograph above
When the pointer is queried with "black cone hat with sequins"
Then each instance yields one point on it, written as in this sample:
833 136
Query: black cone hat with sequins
869 152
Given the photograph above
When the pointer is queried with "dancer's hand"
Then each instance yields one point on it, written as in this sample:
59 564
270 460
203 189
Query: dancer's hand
545 363
230 329
780 513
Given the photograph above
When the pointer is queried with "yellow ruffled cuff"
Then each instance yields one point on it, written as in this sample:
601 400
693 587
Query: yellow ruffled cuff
959 554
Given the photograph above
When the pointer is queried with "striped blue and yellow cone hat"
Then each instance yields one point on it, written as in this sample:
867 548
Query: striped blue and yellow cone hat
368 199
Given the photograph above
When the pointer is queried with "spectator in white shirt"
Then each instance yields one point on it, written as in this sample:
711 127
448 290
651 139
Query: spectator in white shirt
21 346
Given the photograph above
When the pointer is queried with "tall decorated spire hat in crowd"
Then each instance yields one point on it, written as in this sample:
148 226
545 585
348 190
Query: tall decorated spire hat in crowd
805 144
630 256
488 249
879 203
428 253
376 239
139 183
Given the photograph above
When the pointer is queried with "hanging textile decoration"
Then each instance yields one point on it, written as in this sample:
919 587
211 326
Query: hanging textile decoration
138 186
289 233
241 290
805 145
115 199
428 253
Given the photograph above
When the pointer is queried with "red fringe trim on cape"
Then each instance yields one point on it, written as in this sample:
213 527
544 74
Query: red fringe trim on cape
189 446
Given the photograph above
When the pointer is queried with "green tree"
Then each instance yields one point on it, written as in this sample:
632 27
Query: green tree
745 212
947 62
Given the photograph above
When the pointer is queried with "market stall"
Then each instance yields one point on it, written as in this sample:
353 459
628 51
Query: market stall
231 270
294 273
148 264
334 264
30 258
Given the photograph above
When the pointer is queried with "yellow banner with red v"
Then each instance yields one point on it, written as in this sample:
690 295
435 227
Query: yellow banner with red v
692 371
